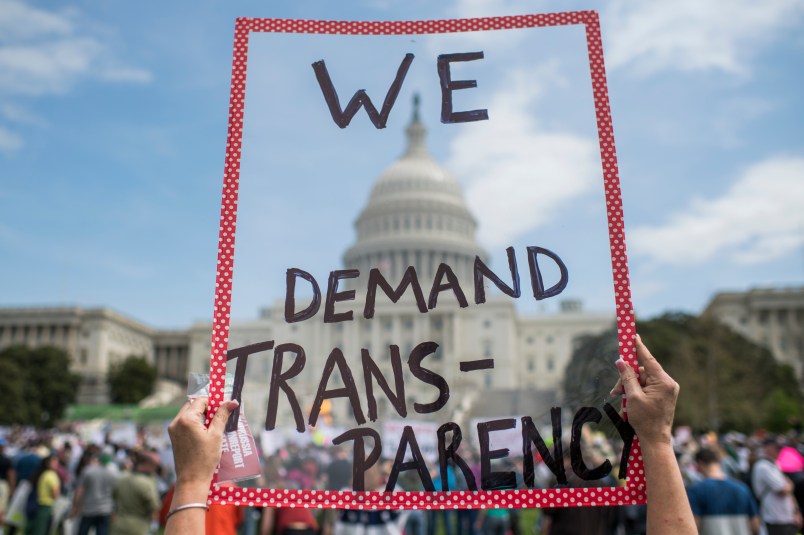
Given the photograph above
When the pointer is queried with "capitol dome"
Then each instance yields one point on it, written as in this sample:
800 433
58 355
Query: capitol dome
416 216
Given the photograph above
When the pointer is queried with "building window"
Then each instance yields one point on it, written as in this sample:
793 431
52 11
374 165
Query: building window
550 363
531 364
487 380
529 340
549 339
487 323
487 348
84 357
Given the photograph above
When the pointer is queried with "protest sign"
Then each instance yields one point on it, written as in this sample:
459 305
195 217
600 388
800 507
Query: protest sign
417 326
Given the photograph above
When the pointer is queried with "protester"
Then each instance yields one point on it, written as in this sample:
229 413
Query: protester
375 522
777 507
136 498
93 495
197 451
651 407
721 506
288 521
46 488
493 522
8 479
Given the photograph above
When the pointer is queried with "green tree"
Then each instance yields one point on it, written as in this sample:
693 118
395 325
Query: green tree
724 377
12 408
781 409
37 384
131 380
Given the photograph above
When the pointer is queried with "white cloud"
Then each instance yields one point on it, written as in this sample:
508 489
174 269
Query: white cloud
693 35
126 74
759 219
519 174
685 35
44 52
19 114
9 141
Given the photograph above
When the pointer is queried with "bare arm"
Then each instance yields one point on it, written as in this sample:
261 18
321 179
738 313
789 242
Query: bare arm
197 451
12 480
753 524
78 500
267 522
650 411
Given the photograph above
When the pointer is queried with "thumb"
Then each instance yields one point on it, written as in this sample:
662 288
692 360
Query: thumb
218 423
628 378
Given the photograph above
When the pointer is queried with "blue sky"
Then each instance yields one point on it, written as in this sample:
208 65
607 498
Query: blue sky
113 124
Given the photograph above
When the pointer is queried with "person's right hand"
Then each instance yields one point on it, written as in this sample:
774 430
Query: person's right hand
651 398
197 449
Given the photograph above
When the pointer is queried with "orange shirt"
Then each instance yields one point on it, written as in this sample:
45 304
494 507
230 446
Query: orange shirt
224 519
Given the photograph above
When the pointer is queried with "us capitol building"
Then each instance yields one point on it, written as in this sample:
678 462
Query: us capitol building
415 216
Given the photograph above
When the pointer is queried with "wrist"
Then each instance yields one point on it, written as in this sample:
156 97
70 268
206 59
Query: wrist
190 491
658 441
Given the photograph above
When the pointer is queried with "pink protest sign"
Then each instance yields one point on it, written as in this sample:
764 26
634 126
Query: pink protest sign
339 330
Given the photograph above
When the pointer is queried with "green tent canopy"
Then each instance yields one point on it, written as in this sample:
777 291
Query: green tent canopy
120 413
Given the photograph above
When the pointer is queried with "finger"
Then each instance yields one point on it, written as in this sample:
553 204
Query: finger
646 359
617 389
218 423
628 378
198 407
618 386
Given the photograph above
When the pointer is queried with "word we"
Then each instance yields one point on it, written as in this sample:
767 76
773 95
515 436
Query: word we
343 117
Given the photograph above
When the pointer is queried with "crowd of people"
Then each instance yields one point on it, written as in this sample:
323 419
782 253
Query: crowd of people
731 484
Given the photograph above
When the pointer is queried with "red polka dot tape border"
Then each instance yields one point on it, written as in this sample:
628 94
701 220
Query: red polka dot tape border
634 490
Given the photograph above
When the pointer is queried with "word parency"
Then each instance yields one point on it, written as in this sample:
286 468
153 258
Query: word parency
444 280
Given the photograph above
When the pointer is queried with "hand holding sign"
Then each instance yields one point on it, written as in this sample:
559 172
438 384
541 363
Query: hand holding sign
197 449
651 398
651 406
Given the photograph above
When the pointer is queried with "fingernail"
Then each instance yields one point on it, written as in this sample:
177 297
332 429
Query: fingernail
620 363
639 338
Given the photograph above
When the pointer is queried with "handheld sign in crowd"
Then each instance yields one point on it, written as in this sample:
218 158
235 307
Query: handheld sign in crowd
437 376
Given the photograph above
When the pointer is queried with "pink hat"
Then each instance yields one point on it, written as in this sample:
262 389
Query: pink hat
790 460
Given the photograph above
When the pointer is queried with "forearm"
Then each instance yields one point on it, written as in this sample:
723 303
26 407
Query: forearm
188 520
668 507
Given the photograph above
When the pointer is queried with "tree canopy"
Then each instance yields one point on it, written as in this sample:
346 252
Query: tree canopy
727 381
37 385
131 380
